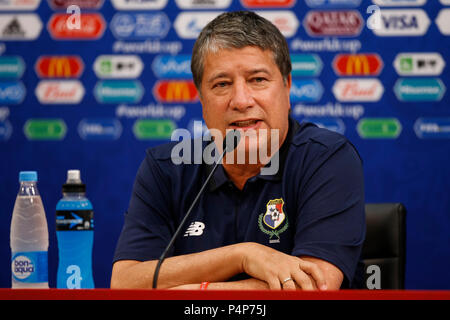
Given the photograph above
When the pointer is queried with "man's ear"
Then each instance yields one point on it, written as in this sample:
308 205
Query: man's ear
289 81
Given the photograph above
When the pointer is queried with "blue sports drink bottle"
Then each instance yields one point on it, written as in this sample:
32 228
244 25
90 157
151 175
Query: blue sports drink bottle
75 234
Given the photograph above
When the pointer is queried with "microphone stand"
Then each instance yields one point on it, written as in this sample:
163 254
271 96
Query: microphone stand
174 237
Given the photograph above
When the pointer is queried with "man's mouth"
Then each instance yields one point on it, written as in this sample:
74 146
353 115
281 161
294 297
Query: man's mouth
245 123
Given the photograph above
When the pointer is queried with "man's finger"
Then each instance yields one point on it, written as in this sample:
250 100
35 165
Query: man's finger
287 283
304 281
274 284
315 272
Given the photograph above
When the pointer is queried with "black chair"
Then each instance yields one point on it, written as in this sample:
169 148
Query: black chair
384 249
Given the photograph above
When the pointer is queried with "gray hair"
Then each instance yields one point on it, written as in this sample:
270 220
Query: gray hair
238 30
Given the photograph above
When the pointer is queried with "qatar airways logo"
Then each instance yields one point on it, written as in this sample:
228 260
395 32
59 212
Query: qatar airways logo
253 146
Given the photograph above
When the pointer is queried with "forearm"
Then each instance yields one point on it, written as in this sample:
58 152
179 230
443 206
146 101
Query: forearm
214 265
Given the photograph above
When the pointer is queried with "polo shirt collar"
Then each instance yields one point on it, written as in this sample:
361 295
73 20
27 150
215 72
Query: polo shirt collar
220 177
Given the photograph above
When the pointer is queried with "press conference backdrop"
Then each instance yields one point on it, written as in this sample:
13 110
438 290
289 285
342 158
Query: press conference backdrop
92 89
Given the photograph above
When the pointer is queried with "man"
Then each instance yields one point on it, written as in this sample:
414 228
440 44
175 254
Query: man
301 227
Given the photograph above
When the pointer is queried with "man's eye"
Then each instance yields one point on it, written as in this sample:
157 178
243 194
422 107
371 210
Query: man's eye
222 84
259 79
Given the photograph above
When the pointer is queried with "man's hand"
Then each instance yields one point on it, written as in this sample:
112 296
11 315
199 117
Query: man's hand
281 271
267 267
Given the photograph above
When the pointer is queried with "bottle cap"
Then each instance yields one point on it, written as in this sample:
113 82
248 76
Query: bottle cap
28 176
73 183
73 176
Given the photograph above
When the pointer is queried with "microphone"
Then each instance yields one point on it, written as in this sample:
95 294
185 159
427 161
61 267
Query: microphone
230 143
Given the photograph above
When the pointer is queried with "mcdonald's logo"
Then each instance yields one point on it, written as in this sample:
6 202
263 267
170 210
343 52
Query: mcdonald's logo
59 67
357 64
182 91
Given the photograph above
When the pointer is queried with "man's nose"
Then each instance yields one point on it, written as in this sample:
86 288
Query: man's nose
242 97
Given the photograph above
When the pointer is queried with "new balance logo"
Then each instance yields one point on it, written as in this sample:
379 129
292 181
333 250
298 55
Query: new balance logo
195 229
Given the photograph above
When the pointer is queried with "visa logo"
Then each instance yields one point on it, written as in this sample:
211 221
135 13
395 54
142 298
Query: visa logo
402 22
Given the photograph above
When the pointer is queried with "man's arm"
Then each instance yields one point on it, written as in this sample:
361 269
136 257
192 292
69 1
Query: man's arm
333 278
270 267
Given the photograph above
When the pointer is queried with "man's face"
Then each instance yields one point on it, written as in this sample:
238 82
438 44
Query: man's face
243 89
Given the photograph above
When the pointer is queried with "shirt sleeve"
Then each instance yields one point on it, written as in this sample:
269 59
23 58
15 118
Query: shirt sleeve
147 227
331 216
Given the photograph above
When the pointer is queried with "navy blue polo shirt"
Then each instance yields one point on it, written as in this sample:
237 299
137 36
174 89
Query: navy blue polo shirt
313 205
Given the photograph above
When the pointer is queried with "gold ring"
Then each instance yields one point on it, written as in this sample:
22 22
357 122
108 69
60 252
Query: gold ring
286 280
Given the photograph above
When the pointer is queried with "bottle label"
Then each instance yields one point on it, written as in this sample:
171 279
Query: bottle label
30 267
74 220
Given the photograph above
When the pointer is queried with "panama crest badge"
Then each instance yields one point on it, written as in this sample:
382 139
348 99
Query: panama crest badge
273 218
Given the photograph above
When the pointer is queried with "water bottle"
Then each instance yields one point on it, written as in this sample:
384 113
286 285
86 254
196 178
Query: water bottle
75 234
29 236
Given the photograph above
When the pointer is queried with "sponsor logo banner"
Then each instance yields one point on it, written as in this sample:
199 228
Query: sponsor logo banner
379 128
306 65
369 64
285 21
59 67
150 129
203 4
432 128
333 124
400 3
306 90
176 91
20 27
268 3
119 91
333 23
419 89
59 91
45 129
358 89
402 22
443 21
19 5
92 27
12 92
82 4
172 67
140 25
118 66
189 24
139 4
5 130
100 129
419 64
11 67
333 3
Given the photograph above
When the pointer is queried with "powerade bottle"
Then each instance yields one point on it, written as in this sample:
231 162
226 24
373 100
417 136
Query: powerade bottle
75 234
29 236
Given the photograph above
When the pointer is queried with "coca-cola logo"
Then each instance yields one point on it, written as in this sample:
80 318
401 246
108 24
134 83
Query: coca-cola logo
333 23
